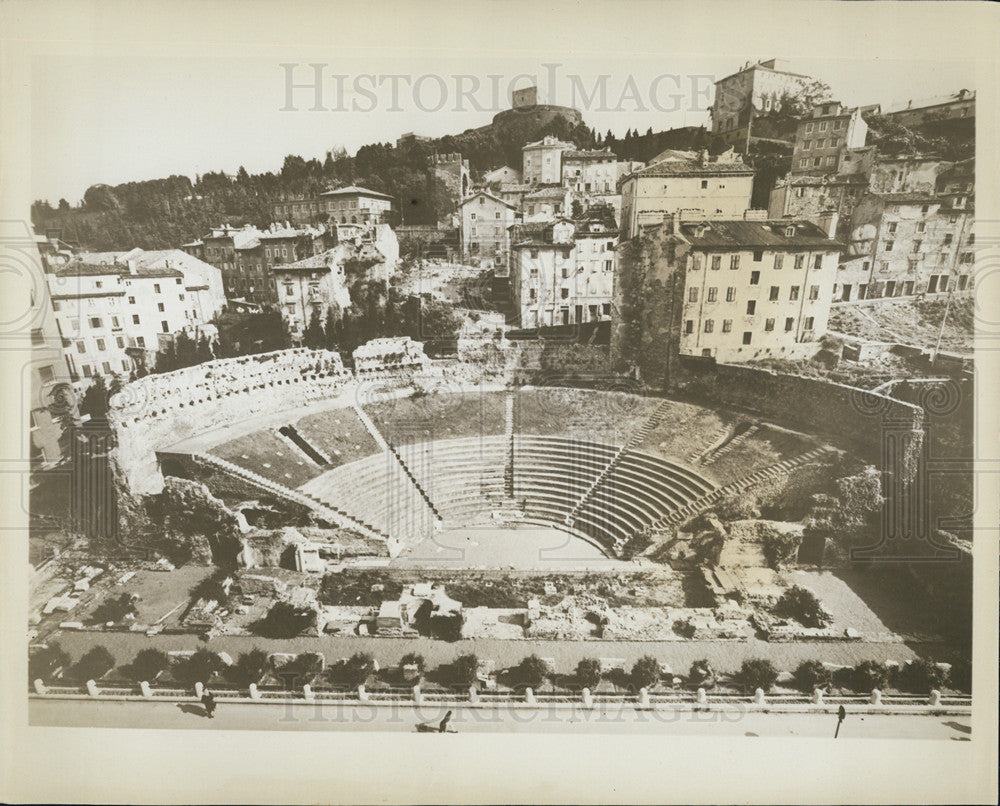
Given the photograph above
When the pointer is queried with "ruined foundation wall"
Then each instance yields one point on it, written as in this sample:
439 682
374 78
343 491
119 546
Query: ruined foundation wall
869 423
157 411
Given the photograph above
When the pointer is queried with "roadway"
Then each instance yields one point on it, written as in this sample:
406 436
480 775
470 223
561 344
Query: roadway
404 718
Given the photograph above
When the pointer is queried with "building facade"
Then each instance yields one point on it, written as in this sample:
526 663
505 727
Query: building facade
542 161
957 106
485 222
353 204
315 284
562 272
115 310
821 139
735 290
677 180
754 90
905 244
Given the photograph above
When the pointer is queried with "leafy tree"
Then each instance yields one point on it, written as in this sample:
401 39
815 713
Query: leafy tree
203 352
920 676
802 605
314 337
413 659
358 668
248 668
94 664
44 662
148 664
780 549
285 620
95 400
588 673
701 674
531 671
113 610
757 673
464 670
646 672
868 675
301 669
198 668
811 675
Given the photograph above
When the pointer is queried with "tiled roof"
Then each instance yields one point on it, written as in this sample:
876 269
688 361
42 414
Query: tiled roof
687 163
548 142
733 234
479 193
908 198
355 190
546 194
591 154
148 263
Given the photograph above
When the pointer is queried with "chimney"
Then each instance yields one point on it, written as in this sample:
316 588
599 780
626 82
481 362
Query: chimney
132 266
703 156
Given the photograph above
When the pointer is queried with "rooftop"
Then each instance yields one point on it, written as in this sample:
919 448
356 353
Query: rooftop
355 190
936 100
547 193
770 234
691 163
488 195
548 142
152 263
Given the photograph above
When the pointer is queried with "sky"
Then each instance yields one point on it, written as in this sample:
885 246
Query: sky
109 105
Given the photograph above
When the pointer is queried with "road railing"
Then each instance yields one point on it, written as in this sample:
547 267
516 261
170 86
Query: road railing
700 700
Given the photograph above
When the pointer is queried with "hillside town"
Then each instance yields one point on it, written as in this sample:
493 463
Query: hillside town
627 415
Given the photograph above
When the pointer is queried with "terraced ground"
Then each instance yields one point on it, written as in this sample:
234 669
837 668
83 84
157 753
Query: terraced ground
608 417
267 454
434 417
339 434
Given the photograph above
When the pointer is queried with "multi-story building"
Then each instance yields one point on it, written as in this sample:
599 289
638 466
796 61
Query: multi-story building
810 196
546 202
485 221
677 180
311 286
821 139
903 244
247 254
51 407
501 176
735 290
562 272
115 310
754 90
592 171
353 204
957 106
542 161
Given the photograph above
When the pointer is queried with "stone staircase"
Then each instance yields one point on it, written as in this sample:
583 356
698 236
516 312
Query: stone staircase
714 443
508 468
652 421
389 448
711 498
322 508
735 442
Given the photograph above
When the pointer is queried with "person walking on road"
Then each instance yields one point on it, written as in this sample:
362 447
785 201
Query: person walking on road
208 700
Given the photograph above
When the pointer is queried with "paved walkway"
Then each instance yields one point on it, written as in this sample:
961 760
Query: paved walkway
404 718
726 656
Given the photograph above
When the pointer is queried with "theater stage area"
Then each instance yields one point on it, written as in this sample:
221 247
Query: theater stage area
520 546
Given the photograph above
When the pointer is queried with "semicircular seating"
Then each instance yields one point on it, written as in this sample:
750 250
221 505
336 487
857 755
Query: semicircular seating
552 478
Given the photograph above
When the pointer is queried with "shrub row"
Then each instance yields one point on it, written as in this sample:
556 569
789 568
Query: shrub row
917 677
